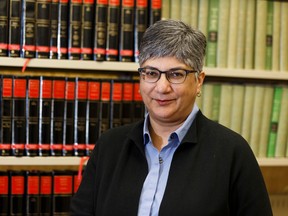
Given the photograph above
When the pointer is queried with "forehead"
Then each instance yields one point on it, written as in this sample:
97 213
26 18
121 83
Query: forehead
164 63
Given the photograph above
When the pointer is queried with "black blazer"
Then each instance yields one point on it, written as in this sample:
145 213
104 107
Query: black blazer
213 172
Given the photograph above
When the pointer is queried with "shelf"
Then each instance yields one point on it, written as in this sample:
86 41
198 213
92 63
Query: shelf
39 161
75 161
132 67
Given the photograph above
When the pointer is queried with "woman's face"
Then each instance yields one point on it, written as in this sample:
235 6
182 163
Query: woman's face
167 102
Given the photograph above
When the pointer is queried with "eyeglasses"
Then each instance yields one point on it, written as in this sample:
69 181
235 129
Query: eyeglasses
175 76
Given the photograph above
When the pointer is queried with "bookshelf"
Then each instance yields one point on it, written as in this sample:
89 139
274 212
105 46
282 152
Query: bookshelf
82 65
75 161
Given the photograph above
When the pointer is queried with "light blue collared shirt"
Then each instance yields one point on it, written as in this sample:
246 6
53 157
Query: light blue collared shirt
159 166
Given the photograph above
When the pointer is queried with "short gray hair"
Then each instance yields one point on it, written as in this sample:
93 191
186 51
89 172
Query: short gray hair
172 38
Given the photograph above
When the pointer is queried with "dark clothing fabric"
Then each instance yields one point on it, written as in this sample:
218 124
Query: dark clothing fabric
213 173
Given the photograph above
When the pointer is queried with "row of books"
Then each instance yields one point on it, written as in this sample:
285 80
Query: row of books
246 34
37 192
62 116
75 29
259 112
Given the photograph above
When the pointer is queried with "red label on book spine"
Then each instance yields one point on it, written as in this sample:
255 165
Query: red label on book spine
46 185
3 185
128 92
17 183
70 90
20 88
117 91
47 89
7 87
33 185
114 2
59 89
63 184
82 90
34 88
137 95
128 3
142 3
88 1
94 90
156 4
105 88
104 2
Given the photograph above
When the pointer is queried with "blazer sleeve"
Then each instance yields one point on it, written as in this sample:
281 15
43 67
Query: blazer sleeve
83 201
249 196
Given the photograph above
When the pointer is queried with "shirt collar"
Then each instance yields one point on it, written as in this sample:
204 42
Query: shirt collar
180 132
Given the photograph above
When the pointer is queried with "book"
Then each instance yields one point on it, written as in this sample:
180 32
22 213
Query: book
175 13
138 106
232 34
113 28
32 144
28 28
100 30
105 106
45 206
69 117
81 107
194 13
87 26
211 49
17 205
19 117
62 191
207 99
240 48
42 31
57 117
127 106
185 11
165 9
155 11
32 187
45 112
269 36
225 104
260 34
216 102
14 33
276 35
6 106
74 29
223 29
237 106
247 111
265 121
203 16
283 37
93 104
126 53
280 146
257 118
4 193
116 103
62 45
4 9
141 24
54 29
274 121
250 35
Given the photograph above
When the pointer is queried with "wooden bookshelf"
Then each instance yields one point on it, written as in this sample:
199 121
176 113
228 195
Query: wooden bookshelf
72 65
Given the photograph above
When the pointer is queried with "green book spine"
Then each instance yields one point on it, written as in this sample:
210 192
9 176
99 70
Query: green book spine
212 33
216 102
276 106
269 36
